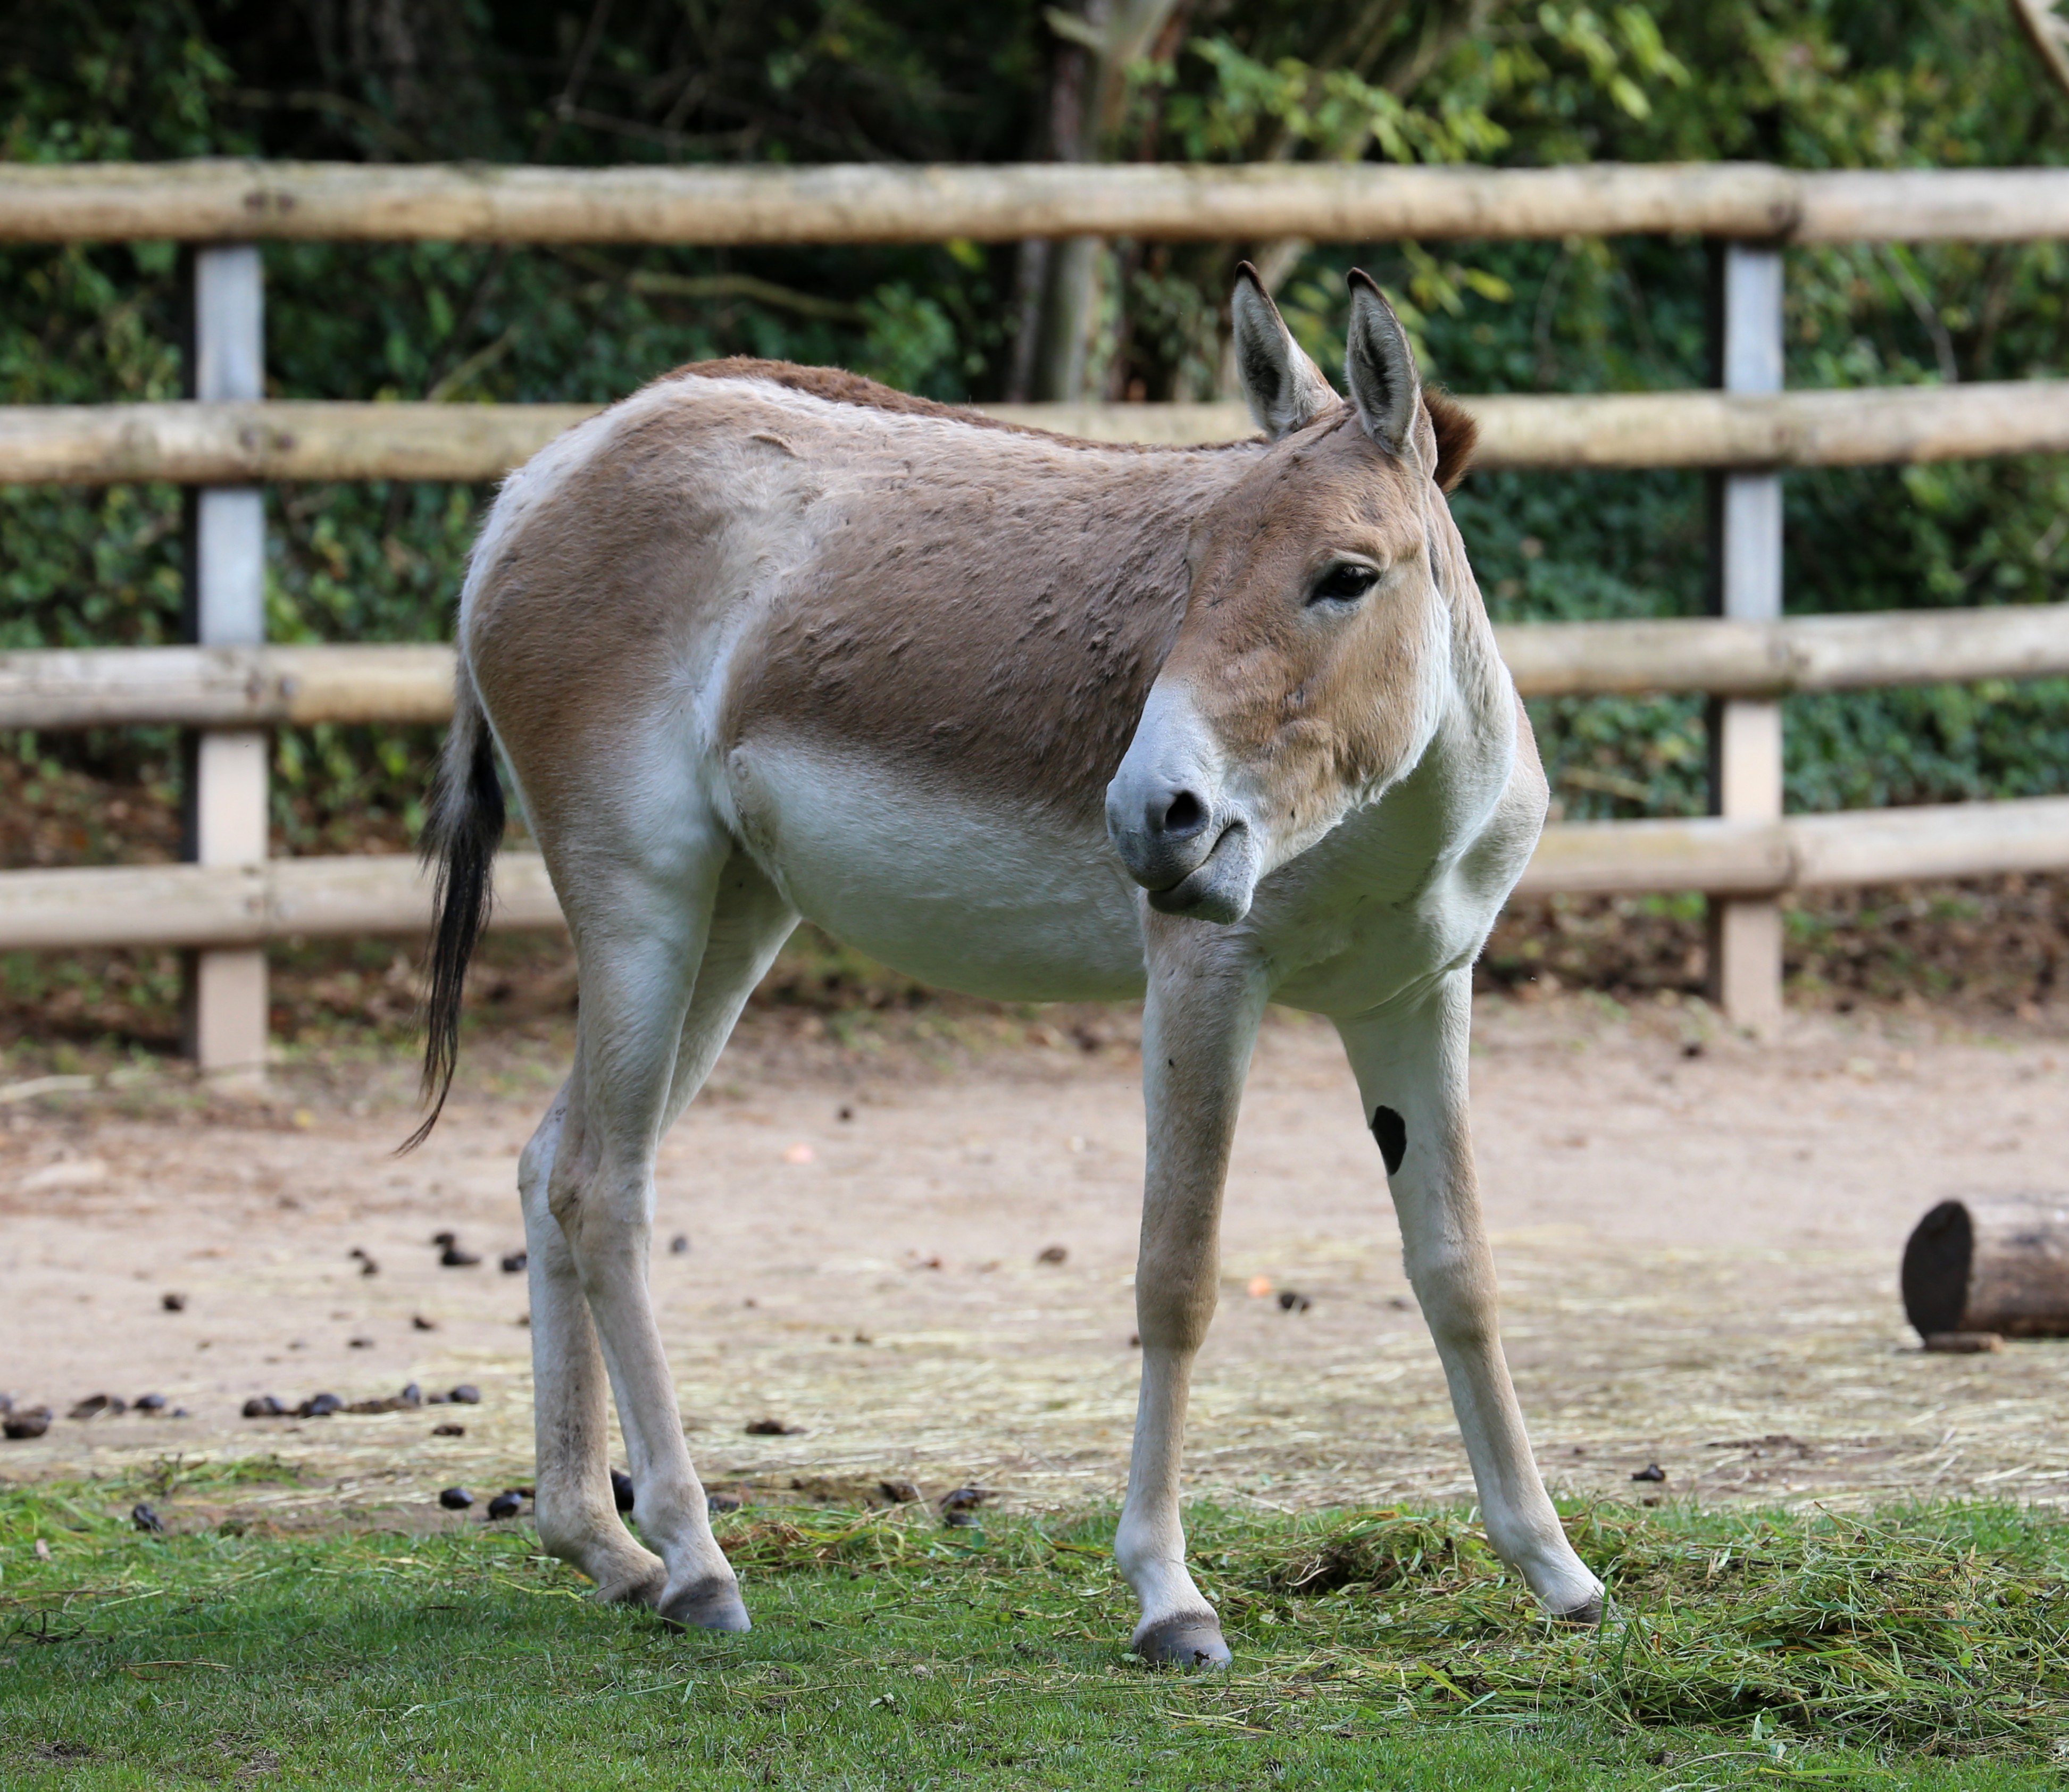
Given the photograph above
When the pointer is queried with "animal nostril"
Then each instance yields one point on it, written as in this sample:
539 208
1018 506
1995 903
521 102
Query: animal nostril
1184 814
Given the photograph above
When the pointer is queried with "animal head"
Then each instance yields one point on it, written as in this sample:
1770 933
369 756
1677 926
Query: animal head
1308 673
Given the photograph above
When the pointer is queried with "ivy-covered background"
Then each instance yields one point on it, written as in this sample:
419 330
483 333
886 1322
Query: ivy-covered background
1806 83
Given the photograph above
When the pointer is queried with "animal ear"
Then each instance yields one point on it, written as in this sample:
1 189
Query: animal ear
1285 389
1382 366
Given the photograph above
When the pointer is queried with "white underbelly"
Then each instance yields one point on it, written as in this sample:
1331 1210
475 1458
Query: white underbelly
1016 906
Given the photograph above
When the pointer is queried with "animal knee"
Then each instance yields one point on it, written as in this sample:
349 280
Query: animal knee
1174 1321
1457 1299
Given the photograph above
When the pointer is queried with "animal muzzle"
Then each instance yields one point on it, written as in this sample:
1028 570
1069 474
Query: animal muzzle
1192 850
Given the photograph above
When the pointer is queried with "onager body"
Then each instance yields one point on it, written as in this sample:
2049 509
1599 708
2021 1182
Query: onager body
1026 716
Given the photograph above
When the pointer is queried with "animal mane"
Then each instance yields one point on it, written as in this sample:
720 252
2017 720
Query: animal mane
838 386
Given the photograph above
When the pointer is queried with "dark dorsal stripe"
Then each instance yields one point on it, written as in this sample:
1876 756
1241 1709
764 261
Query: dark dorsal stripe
1391 1131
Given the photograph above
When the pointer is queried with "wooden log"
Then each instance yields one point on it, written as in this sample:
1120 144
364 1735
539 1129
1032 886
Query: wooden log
293 686
244 905
1990 1264
196 444
230 905
1803 851
876 202
1727 659
228 201
219 687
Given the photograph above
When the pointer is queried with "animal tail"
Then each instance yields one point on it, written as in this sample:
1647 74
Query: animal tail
463 831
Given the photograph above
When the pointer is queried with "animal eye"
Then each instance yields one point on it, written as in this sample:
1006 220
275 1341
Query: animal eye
1344 583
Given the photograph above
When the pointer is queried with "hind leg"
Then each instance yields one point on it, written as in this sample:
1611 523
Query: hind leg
577 1516
659 994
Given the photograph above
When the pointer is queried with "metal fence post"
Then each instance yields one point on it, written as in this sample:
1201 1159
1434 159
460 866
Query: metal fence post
226 786
1745 735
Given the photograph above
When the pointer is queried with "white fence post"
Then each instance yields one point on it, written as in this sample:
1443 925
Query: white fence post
1745 735
225 794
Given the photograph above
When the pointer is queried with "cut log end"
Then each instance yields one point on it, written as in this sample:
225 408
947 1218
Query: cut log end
1997 1266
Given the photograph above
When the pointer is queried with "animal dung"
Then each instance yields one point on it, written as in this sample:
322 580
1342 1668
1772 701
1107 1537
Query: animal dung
959 1506
773 1427
367 1265
145 1519
455 1499
453 1257
466 1394
1053 1254
1292 1301
1965 1343
514 1262
448 1239
94 1405
172 1302
448 1430
419 1322
1651 1472
898 1492
680 1244
1990 1264
411 1398
266 1406
22 1422
319 1406
621 1489
504 1505
151 1403
359 1343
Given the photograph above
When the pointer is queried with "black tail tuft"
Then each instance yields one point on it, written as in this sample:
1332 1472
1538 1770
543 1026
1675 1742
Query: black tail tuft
465 828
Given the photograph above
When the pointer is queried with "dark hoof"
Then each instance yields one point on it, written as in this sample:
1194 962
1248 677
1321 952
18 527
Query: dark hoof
1588 1614
642 1589
712 1605
1191 1639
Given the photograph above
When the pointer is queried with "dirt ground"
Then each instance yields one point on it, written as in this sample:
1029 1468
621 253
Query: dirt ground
1698 1238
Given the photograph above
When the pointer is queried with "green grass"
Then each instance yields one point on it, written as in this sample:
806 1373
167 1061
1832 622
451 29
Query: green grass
1920 1649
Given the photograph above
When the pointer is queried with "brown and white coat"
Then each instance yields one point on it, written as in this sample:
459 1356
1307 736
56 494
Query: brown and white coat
1023 716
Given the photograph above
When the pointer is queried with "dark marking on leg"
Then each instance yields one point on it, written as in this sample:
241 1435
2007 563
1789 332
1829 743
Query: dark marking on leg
1391 1131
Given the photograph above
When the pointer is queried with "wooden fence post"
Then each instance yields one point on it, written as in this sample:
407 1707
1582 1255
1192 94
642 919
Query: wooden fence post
1745 735
226 996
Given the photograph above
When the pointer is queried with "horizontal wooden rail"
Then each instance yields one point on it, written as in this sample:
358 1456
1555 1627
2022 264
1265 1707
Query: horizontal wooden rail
224 687
1772 659
221 444
1804 852
231 687
224 201
218 906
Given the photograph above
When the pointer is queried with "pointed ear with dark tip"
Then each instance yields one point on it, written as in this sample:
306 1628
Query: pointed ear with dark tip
1382 367
1285 389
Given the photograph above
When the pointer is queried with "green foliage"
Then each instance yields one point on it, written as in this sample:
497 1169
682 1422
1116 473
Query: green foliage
1809 82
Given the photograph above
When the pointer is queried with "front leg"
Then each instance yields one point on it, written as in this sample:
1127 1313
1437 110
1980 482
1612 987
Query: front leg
1411 1069
1200 1021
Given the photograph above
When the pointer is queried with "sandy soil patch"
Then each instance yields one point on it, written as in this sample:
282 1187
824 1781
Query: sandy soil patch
1699 1256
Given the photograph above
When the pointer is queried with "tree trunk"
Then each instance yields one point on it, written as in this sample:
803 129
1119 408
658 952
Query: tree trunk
1088 87
1999 1263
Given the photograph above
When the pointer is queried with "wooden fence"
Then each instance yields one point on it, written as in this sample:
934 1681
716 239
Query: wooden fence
228 439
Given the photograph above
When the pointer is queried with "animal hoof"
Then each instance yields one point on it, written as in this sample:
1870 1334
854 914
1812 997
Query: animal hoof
643 1588
1190 1640
1588 1614
713 1605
